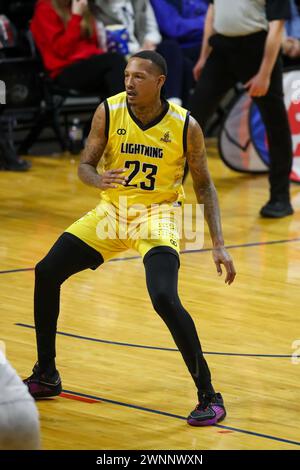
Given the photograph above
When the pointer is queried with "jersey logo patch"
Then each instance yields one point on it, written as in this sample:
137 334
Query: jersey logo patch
166 137
121 131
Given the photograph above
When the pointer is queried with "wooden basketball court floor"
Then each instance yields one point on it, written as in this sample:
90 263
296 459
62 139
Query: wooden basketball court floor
125 384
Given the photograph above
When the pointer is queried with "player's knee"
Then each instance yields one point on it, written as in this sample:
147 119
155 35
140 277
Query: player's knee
46 271
163 302
43 270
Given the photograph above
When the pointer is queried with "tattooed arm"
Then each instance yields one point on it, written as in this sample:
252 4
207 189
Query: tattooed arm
206 194
96 143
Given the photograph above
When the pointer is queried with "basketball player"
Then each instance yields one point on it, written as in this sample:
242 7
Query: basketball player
142 142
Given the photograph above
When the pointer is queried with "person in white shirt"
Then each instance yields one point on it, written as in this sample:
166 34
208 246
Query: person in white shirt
139 19
19 417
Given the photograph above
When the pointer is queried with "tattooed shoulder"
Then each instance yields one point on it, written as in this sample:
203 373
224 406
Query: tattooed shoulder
195 152
96 141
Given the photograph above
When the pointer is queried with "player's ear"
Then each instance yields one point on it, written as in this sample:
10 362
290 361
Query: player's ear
161 80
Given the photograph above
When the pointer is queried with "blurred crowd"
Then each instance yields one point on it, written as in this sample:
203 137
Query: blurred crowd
84 44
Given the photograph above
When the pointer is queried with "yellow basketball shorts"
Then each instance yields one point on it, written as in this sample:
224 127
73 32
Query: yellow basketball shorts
111 230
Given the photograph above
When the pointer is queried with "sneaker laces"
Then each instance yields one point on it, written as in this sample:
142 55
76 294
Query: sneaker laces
203 404
37 376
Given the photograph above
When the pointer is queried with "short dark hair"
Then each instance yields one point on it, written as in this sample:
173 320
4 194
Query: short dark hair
155 58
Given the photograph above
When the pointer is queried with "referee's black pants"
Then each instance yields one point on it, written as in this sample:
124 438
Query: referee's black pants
237 59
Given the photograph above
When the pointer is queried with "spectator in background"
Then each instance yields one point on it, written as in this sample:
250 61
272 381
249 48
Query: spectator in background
139 19
65 34
9 160
187 25
183 22
136 15
241 43
291 40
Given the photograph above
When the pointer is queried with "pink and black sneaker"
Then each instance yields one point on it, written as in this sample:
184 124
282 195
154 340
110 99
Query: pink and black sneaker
41 385
209 411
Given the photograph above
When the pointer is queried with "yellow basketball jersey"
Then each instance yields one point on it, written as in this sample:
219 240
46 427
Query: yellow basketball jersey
153 155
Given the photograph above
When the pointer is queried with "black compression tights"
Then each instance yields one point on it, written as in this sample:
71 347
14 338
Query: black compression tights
162 280
69 255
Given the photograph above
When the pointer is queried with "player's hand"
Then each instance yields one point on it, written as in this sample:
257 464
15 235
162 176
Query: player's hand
79 6
258 85
112 178
221 256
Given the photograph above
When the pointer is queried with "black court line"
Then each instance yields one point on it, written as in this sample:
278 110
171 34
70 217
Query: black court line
116 343
246 245
170 415
16 270
183 252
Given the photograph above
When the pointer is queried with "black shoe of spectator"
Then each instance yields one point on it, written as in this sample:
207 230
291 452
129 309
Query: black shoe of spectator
276 209
17 165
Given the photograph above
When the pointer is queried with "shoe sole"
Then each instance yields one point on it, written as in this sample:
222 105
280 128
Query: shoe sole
209 422
38 390
276 216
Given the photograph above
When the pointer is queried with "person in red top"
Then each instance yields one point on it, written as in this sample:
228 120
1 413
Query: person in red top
65 34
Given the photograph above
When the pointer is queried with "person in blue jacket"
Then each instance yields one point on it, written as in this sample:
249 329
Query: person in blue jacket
188 18
291 39
182 21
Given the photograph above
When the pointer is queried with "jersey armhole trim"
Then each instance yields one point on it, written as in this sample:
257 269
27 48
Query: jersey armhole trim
185 129
106 131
